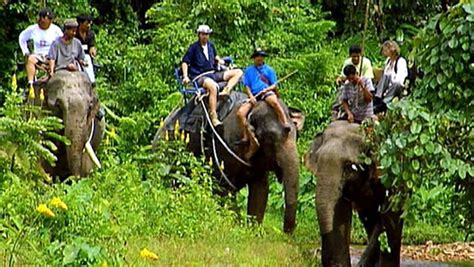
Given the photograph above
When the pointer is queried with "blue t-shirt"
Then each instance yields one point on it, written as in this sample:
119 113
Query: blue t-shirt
197 61
255 77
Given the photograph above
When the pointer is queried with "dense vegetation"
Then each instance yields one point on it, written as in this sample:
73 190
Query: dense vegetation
424 145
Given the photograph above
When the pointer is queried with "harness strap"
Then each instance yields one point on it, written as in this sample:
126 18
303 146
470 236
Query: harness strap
232 153
262 76
216 160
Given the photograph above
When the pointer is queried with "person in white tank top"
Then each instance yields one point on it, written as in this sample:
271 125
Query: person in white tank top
43 34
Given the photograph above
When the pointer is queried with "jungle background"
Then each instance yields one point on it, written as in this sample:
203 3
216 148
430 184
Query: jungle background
424 144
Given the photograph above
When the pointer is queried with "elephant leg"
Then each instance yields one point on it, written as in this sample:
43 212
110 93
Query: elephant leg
258 196
393 226
371 221
335 244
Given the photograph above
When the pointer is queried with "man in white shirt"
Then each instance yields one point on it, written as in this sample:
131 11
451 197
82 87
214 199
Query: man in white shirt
43 34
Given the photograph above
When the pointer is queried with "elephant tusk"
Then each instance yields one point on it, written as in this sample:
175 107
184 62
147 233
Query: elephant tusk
92 154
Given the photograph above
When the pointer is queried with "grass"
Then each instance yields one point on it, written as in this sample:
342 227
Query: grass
239 246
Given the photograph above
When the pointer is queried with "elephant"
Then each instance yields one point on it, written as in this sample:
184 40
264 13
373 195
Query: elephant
71 97
345 182
272 150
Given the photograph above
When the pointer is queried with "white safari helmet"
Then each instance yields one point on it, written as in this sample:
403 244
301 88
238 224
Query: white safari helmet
204 29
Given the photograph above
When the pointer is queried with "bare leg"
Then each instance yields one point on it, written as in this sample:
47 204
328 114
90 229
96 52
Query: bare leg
31 67
272 100
244 109
233 77
212 88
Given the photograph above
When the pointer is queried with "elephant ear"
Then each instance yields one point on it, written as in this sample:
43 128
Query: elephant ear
54 89
310 156
94 104
297 117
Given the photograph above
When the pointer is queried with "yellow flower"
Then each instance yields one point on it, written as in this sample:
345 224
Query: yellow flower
210 162
44 210
58 203
162 123
222 165
167 138
14 83
187 139
183 136
41 95
31 93
176 129
146 254
112 133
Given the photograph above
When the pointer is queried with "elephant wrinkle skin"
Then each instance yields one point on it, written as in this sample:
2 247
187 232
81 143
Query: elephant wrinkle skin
276 152
70 96
344 182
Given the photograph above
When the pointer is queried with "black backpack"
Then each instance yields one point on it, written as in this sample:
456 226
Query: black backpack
412 73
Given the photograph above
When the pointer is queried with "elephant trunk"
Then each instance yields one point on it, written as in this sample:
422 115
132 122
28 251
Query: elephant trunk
288 162
334 213
76 131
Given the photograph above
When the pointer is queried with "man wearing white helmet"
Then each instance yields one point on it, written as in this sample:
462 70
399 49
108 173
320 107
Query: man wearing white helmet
200 64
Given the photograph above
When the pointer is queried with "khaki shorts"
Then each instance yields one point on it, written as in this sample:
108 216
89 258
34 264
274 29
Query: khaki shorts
42 59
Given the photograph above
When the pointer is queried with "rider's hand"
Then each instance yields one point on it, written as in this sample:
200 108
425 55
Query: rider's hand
72 67
221 62
186 80
339 80
253 100
83 63
350 117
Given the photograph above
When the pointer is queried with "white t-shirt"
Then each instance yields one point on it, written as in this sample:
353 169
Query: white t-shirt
206 51
42 39
402 70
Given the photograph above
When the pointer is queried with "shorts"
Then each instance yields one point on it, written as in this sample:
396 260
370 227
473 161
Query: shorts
42 59
263 96
216 76
260 97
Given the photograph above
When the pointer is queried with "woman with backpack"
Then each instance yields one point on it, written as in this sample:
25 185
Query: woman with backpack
395 72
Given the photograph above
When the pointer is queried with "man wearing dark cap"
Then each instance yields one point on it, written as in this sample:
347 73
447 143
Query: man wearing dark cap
43 34
87 38
66 52
261 85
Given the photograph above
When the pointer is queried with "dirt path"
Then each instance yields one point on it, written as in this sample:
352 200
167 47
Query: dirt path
429 254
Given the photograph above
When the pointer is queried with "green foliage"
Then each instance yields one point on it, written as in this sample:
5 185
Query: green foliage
444 51
27 136
424 144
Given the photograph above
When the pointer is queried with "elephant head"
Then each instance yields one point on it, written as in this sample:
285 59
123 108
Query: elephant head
345 182
275 150
70 96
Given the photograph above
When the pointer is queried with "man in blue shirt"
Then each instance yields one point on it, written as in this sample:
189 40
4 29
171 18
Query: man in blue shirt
200 64
261 85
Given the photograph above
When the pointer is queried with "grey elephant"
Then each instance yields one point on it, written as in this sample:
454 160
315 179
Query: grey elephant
271 150
70 96
344 183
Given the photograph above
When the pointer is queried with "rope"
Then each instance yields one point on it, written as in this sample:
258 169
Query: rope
220 138
217 162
